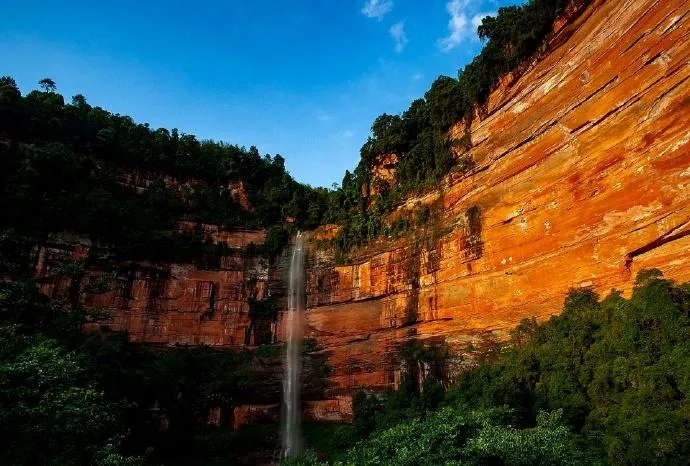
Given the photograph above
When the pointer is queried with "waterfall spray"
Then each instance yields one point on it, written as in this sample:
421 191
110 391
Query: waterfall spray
291 438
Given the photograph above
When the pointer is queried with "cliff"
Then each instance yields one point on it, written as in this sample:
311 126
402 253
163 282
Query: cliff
178 303
581 178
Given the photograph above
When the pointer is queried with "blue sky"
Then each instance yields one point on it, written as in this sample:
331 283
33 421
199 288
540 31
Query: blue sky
302 78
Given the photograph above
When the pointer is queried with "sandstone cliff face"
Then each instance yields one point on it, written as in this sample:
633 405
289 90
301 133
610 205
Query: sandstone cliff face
582 178
173 303
383 174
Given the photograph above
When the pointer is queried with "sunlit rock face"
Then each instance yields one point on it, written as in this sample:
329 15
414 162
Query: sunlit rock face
582 179
383 173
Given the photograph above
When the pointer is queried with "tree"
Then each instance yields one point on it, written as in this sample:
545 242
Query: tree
446 102
47 84
10 105
47 404
79 101
8 89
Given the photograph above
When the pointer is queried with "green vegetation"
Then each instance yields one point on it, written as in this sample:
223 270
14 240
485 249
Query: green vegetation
617 368
455 436
68 167
605 382
52 410
331 440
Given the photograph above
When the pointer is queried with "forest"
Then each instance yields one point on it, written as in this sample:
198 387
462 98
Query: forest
65 167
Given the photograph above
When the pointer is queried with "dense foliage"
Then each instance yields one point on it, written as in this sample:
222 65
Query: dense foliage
67 166
52 410
619 369
457 436
605 382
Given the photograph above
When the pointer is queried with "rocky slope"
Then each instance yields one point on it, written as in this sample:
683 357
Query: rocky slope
582 178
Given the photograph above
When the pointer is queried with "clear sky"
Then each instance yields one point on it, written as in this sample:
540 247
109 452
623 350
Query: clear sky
302 78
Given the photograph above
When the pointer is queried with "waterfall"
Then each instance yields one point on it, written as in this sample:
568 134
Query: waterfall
292 444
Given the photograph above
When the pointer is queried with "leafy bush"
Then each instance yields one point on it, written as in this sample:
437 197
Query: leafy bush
461 436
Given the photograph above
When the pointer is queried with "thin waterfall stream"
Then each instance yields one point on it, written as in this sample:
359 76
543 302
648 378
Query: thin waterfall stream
291 435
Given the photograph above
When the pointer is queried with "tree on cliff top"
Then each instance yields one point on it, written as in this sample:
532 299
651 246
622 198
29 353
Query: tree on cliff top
48 85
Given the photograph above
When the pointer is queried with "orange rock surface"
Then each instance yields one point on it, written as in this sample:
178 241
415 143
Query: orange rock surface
174 303
582 179
326 232
383 173
238 192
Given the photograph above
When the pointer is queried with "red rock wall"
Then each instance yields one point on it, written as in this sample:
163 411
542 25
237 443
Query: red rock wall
234 239
172 303
383 173
582 179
